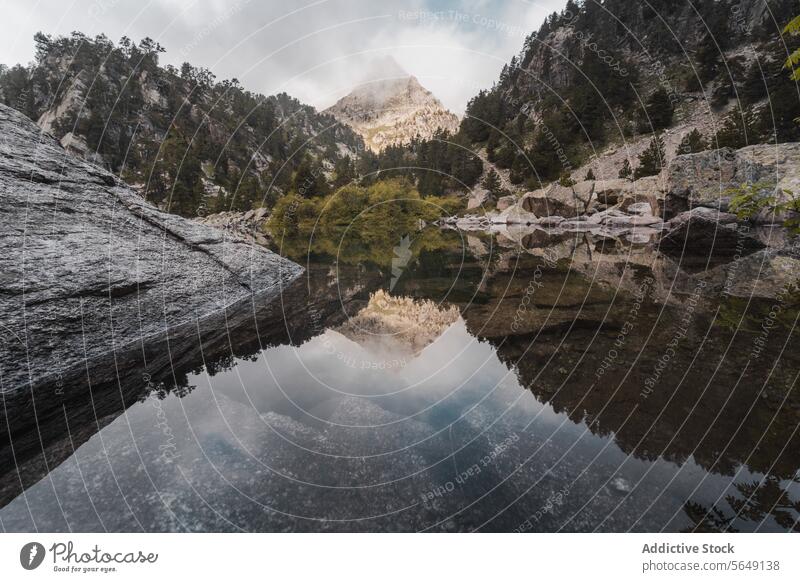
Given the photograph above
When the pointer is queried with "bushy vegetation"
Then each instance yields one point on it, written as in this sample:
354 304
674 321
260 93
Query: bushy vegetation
357 223
388 203
750 200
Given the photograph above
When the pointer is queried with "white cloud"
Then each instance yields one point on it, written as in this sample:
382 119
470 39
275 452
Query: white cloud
315 51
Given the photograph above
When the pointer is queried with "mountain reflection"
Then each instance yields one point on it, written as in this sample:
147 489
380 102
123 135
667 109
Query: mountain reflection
601 373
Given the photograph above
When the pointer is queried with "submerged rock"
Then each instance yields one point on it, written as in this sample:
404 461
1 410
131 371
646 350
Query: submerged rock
88 266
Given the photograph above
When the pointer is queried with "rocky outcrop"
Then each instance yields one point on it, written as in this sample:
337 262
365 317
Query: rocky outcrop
705 178
250 225
88 266
555 200
392 111
595 195
693 190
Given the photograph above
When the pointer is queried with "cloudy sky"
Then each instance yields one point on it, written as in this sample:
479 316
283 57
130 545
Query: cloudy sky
315 50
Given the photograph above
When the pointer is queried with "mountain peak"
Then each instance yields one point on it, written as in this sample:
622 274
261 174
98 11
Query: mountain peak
391 107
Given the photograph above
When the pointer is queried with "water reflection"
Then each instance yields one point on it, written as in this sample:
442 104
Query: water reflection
505 383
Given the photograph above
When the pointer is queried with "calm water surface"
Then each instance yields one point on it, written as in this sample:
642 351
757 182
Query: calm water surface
445 383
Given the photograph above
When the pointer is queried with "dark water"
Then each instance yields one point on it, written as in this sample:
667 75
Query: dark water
456 383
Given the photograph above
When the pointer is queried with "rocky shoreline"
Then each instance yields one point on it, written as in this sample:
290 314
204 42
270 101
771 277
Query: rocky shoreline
685 208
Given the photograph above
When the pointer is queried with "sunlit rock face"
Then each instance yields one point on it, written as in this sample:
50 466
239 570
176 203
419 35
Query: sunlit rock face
392 110
398 325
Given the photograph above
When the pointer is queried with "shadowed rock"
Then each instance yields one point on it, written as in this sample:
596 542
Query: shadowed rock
695 233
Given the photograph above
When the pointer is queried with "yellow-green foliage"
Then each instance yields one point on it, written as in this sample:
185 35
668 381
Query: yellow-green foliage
358 223
292 215
391 204
748 200
793 62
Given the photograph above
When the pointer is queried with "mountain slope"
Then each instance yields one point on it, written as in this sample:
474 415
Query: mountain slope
392 112
189 143
604 77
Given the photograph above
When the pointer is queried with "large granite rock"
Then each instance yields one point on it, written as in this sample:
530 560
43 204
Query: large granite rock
702 179
87 266
556 200
576 200
505 202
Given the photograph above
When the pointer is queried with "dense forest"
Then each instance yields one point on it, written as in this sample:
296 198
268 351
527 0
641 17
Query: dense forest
191 143
602 72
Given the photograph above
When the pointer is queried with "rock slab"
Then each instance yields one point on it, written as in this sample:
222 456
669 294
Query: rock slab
87 266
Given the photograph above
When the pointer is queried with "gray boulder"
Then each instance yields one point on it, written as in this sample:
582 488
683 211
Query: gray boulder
555 200
703 179
611 192
88 267
702 212
640 209
505 202
478 198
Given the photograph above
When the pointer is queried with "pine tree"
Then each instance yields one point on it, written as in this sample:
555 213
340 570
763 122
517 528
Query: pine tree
626 172
590 175
754 87
518 170
652 160
344 171
658 112
309 180
492 182
738 130
692 143
708 58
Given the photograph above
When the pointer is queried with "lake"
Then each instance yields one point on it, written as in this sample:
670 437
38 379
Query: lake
439 381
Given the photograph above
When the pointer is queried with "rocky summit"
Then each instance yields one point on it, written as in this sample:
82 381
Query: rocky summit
87 266
393 111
